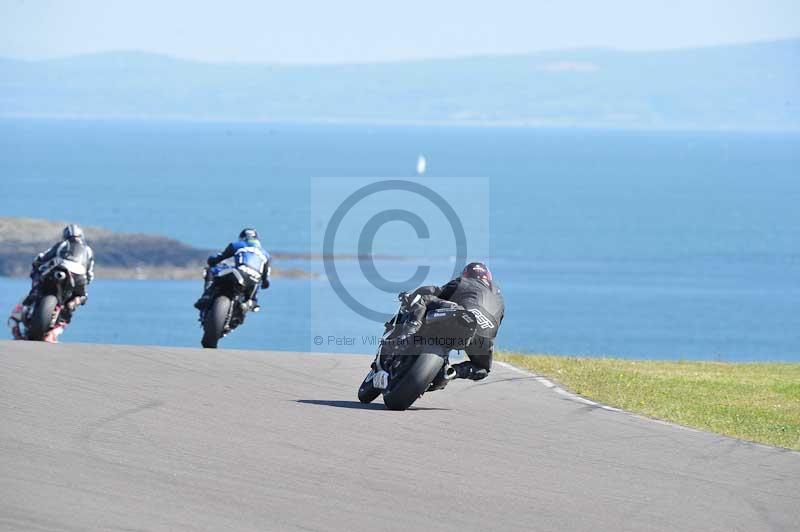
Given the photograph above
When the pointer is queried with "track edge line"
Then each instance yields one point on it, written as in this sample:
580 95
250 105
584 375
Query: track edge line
547 383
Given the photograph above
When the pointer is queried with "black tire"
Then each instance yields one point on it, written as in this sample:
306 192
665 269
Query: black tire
413 384
42 316
367 392
214 324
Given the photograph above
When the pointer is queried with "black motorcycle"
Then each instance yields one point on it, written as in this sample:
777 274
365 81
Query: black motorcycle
404 369
46 318
231 299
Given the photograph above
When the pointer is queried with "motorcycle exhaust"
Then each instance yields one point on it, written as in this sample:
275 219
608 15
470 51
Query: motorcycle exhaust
60 276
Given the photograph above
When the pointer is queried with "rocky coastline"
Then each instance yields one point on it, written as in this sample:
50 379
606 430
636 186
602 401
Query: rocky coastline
117 255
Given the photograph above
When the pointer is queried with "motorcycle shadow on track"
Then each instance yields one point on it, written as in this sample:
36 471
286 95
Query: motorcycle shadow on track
357 405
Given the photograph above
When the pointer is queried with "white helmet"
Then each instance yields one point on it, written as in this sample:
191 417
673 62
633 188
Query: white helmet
72 231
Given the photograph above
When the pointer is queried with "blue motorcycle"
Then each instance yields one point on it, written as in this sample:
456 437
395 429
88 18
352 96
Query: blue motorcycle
232 297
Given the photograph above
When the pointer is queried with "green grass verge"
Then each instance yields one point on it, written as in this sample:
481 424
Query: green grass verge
759 402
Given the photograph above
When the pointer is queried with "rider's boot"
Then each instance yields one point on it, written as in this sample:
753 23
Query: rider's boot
33 294
468 370
203 302
31 298
205 299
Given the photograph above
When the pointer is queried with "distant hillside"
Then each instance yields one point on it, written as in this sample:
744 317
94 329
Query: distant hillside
751 86
118 255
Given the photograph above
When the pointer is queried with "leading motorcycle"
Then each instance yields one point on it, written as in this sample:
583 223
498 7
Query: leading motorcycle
405 368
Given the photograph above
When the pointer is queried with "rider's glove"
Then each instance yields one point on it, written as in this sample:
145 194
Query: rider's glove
212 260
406 299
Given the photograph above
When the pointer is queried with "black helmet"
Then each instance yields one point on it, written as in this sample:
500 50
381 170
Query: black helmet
72 232
248 233
477 270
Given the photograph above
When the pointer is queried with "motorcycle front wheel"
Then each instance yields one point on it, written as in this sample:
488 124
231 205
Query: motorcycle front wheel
367 392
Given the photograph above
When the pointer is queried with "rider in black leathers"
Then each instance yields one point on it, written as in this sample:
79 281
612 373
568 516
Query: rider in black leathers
476 292
75 252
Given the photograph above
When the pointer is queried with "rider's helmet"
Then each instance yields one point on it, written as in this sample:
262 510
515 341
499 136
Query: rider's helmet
72 232
479 271
248 233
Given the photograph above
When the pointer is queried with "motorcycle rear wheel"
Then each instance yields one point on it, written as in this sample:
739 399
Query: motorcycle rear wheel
214 323
42 317
413 384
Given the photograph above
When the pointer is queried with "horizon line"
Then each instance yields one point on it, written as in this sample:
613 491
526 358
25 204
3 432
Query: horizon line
458 57
420 123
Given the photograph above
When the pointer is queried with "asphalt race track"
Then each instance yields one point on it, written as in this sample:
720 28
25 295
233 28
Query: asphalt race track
96 437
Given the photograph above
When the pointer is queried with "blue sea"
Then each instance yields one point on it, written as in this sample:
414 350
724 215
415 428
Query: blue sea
669 245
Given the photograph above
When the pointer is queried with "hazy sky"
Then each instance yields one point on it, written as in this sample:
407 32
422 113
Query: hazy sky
325 31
